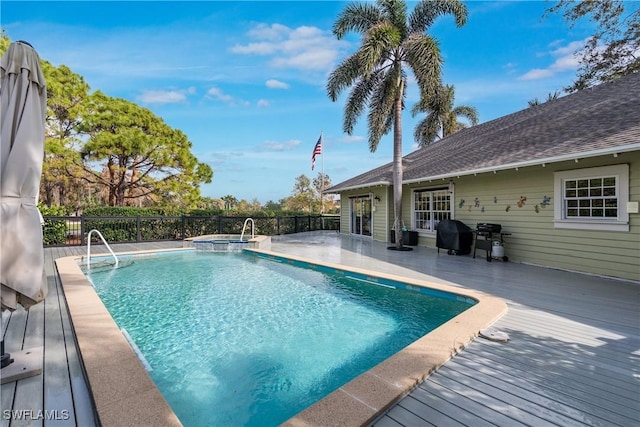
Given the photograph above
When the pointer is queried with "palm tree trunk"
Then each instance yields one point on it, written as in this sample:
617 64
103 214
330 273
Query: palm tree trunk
397 166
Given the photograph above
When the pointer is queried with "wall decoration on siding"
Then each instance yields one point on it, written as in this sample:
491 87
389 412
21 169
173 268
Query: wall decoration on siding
546 200
461 204
495 199
476 202
536 208
522 201
482 209
508 208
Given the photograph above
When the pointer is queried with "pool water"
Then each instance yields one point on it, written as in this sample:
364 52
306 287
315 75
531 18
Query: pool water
239 340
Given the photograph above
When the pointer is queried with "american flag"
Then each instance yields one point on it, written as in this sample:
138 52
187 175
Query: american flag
316 151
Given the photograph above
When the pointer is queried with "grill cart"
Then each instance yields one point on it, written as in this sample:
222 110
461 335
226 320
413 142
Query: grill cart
455 236
492 242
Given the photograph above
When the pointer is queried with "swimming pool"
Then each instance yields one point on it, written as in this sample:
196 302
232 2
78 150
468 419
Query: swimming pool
215 350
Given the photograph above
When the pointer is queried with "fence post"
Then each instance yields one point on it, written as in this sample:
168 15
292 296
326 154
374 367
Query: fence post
309 221
138 232
82 230
219 224
183 230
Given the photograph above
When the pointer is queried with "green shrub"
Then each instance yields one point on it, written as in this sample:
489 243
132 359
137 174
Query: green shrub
54 231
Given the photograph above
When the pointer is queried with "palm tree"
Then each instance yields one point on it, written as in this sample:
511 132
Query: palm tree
392 40
442 116
550 97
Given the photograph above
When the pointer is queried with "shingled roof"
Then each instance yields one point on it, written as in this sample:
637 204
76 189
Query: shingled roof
600 120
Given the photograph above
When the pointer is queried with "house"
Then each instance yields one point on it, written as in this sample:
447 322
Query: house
562 177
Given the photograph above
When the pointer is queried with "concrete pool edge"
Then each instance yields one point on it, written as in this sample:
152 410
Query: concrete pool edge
123 391
368 396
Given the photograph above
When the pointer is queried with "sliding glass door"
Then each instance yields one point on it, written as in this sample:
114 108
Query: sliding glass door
361 215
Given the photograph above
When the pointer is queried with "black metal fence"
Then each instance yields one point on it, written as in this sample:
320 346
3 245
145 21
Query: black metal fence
73 230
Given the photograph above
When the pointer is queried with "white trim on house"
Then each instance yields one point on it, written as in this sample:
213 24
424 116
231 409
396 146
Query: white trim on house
360 187
448 187
429 180
614 151
621 172
362 196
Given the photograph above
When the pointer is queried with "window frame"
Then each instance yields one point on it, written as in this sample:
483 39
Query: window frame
620 223
432 190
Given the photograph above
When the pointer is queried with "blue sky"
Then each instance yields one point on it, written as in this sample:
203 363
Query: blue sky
245 80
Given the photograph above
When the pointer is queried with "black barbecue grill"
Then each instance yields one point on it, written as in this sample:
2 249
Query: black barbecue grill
455 236
488 236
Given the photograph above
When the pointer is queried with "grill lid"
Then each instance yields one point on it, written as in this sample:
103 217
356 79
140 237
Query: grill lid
488 228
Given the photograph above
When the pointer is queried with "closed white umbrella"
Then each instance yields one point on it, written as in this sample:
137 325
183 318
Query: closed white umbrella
22 109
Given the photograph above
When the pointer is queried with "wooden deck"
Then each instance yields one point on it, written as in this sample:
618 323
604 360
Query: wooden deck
573 357
60 395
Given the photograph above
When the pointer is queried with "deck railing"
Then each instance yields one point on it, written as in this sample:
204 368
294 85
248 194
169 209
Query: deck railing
73 230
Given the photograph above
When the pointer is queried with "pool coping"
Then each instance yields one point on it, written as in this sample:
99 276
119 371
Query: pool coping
124 393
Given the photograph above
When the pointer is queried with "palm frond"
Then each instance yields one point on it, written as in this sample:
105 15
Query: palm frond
358 100
344 76
468 112
442 116
381 113
427 130
377 46
395 12
357 17
427 11
422 54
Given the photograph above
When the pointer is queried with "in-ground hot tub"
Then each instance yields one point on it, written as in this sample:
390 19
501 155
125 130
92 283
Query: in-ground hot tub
227 242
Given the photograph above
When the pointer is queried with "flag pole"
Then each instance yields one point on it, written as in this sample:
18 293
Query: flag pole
322 181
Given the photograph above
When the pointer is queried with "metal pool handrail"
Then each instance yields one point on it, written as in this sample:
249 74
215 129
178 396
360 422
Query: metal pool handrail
253 226
103 241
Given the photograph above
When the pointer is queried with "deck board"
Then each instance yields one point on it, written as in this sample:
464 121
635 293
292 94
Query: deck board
465 410
573 357
544 393
82 402
58 393
29 390
13 339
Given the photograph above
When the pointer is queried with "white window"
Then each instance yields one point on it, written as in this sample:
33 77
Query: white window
429 208
594 198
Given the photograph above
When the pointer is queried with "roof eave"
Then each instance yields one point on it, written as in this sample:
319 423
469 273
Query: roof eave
536 162
357 187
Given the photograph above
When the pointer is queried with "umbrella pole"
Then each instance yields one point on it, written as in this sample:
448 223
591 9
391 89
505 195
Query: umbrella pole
6 357
20 364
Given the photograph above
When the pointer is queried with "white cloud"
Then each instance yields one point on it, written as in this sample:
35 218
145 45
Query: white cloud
566 60
281 146
305 47
268 32
311 60
276 84
537 74
263 103
350 139
164 96
217 93
263 48
569 49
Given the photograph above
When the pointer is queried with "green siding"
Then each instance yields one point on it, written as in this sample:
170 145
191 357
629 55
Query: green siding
380 211
534 239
